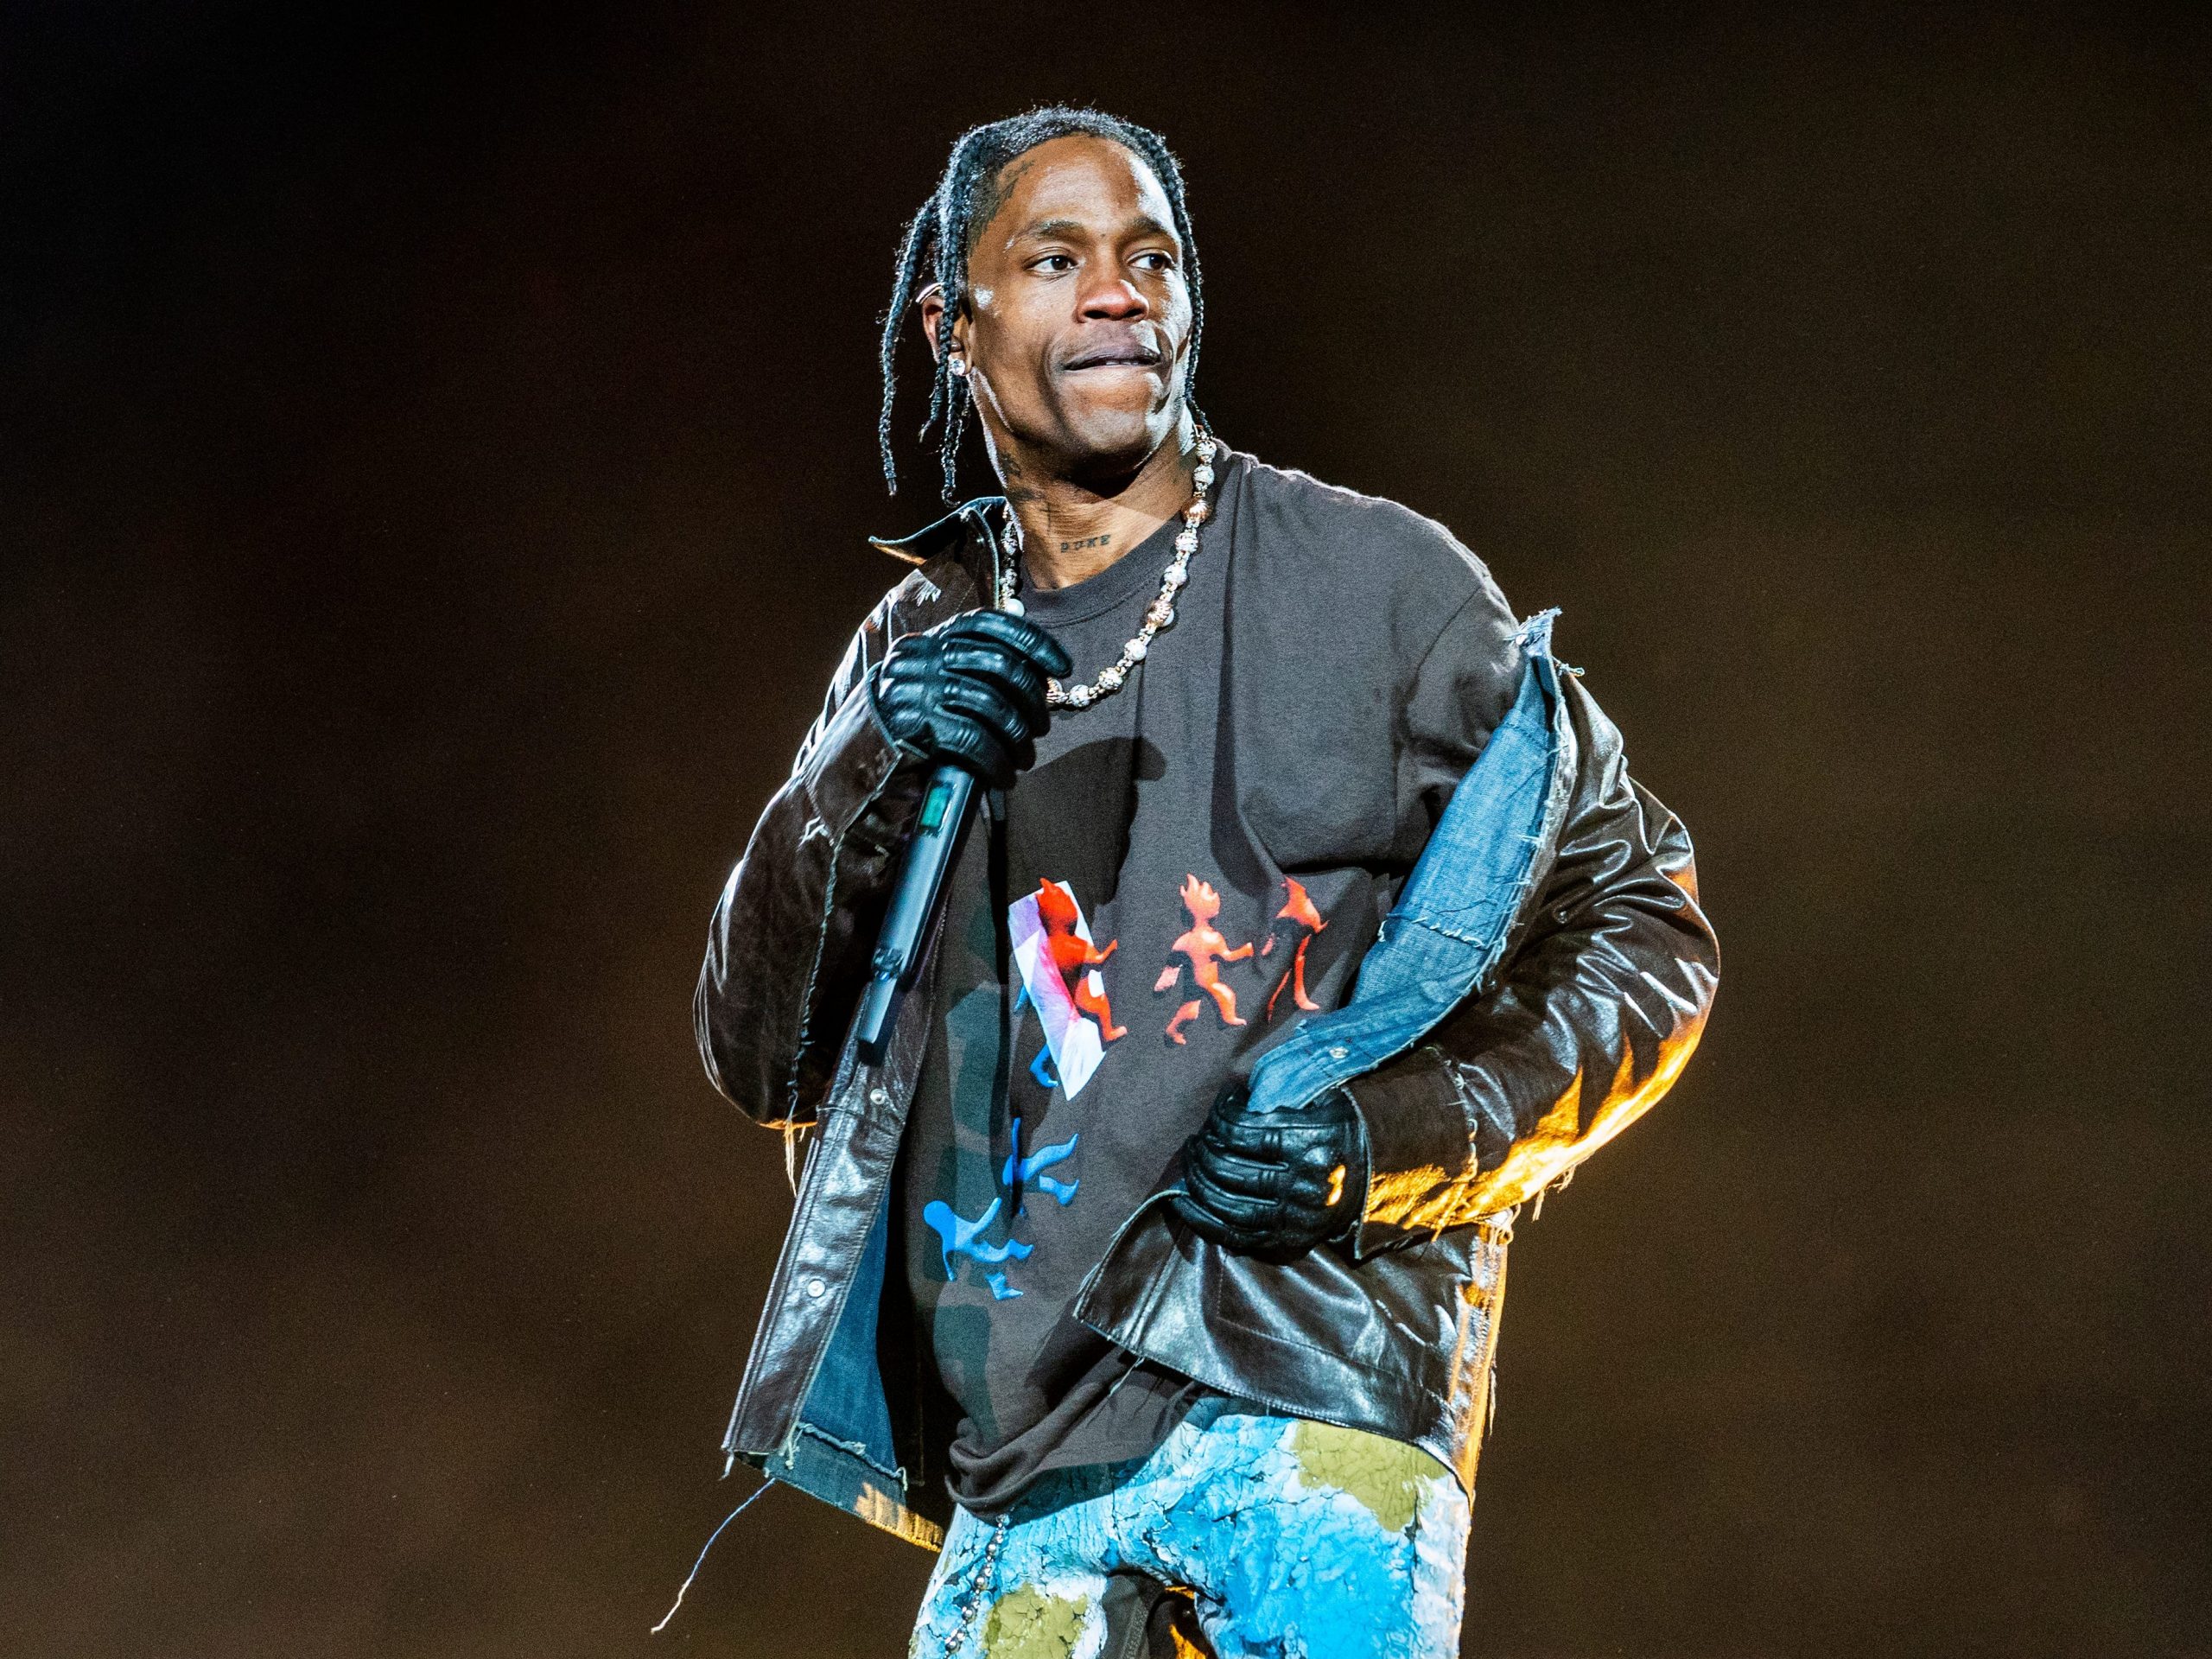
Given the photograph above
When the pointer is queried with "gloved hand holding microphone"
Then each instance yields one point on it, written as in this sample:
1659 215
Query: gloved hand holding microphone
970 690
968 696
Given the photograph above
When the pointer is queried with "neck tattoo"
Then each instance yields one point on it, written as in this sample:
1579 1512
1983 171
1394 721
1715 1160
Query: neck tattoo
1161 613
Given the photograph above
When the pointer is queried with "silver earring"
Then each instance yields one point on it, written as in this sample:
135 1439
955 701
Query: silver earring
958 364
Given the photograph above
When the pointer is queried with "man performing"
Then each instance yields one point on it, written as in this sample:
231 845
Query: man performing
1163 1300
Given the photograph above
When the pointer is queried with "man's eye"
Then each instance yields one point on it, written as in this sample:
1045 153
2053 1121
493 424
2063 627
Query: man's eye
1158 259
1056 262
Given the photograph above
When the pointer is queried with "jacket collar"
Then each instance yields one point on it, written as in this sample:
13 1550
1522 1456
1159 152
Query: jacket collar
968 535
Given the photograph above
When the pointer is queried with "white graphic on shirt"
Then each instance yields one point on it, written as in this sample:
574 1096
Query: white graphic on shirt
1061 979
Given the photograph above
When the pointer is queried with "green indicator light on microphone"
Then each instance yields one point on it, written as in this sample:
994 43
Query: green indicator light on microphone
933 806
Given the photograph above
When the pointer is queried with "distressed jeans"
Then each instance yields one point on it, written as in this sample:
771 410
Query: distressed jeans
1293 1539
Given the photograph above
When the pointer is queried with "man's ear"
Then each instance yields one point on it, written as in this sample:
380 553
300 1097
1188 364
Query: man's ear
932 308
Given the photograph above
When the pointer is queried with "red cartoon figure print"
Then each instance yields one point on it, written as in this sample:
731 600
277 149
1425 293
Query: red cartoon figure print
1207 949
1304 922
1073 957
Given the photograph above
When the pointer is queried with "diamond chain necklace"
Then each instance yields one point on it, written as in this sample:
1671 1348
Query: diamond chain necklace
1161 613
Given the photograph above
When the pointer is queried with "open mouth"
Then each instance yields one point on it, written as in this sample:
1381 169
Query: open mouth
1117 357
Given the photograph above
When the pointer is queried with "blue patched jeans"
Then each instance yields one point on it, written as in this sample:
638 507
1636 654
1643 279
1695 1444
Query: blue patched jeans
1294 1540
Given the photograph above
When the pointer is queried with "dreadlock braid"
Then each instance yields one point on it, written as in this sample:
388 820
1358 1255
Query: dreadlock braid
910 260
942 234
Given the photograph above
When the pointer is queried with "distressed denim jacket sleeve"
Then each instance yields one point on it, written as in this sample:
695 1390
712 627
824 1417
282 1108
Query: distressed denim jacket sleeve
1594 1012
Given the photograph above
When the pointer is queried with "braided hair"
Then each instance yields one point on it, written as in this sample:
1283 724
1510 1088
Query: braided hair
943 234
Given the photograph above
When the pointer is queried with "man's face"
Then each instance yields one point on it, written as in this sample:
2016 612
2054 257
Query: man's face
1079 317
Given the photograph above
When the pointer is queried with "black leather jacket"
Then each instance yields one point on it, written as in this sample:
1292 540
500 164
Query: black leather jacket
1595 1000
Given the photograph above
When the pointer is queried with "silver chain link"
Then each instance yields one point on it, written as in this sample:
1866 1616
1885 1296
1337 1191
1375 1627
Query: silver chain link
979 1584
1161 615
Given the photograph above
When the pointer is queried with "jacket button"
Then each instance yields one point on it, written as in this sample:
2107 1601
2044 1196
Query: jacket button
815 1289
1339 1052
878 1097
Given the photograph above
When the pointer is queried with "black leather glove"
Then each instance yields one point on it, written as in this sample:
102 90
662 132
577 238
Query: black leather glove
971 690
1274 1182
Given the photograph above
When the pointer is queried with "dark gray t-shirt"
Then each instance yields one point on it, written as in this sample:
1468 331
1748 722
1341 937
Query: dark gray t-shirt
1192 863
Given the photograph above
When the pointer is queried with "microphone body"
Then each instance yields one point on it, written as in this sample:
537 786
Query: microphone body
898 958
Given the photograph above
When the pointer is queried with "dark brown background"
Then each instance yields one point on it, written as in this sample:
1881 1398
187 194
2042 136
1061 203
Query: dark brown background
436 449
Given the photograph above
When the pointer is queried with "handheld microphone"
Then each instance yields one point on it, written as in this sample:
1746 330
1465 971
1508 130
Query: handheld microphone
898 958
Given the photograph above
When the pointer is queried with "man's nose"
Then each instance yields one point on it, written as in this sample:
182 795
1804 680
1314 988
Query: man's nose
1116 300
